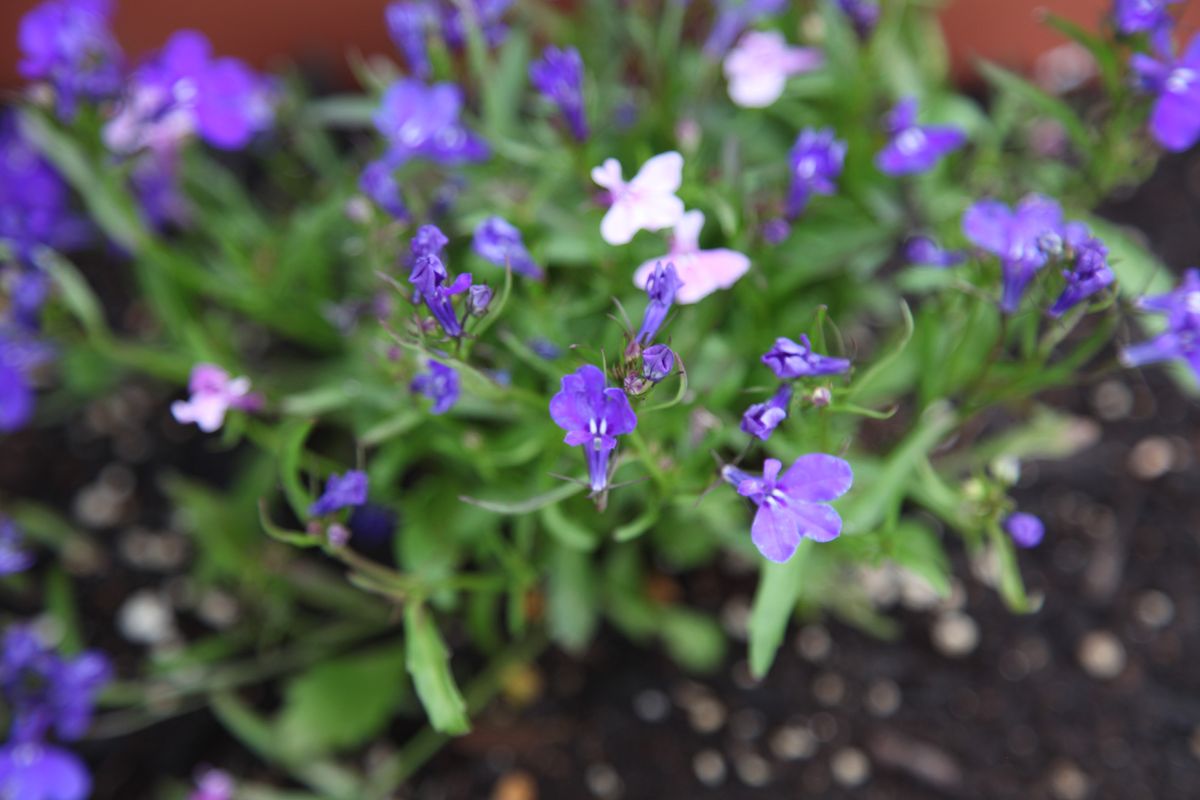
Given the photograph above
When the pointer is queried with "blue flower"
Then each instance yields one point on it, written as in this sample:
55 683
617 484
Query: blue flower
1089 273
440 384
816 161
558 76
68 43
20 355
499 242
1026 530
793 507
1144 16
735 16
37 771
761 419
913 148
378 182
657 362
1024 238
863 15
924 251
429 276
661 287
1181 340
789 359
593 416
409 24
341 491
1175 119
422 122
13 557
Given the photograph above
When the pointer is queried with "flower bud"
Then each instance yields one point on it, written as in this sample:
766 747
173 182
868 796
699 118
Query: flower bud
479 297
821 397
657 362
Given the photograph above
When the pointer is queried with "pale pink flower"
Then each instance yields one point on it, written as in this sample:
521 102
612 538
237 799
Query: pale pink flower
647 202
758 68
701 271
213 394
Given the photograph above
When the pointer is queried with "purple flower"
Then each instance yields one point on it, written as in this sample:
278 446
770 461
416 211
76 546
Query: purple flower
1024 238
26 290
372 524
1026 530
20 355
1175 120
1143 16
863 15
788 360
429 276
487 14
499 242
657 362
544 348
913 148
734 17
1181 340
661 287
155 180
761 419
378 182
341 491
1090 272
409 24
479 297
558 76
440 384
45 691
593 416
422 122
213 394
13 557
775 231
816 163
428 241
758 68
1182 306
37 771
793 506
924 251
213 784
68 44
35 204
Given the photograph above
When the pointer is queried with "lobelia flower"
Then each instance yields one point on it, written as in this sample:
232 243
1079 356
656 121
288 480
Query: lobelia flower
734 17
758 68
1026 530
701 272
593 417
1144 16
341 491
761 419
422 122
657 362
479 297
1182 306
914 148
428 241
13 557
488 15
661 286
213 393
429 276
1175 120
793 507
1090 272
789 359
378 182
816 161
213 784
440 384
20 356
156 183
863 15
409 24
1018 236
924 251
647 202
68 44
558 76
1181 340
498 241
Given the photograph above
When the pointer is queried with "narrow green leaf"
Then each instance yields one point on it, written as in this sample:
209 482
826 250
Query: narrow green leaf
429 664
573 599
518 507
293 436
779 588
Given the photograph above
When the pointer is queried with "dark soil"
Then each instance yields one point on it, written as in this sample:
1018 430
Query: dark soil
1096 695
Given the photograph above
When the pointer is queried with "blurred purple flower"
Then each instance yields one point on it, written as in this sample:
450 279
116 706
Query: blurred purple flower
1026 530
487 14
758 68
913 148
378 182
409 24
428 241
440 384
37 771
13 557
429 276
734 17
1144 16
789 359
863 15
45 691
793 507
761 419
558 76
1089 272
816 161
1023 238
213 394
661 287
341 491
657 362
593 416
422 122
925 252
20 355
68 44
499 242
1175 120
1181 340
213 784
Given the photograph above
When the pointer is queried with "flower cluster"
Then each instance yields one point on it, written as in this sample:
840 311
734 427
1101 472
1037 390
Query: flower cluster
412 23
558 76
69 45
1181 339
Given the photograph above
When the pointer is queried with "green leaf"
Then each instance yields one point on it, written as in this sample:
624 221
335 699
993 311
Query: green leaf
1014 85
519 507
916 548
779 588
863 382
573 599
566 530
693 639
293 435
429 666
1012 586
293 538
341 703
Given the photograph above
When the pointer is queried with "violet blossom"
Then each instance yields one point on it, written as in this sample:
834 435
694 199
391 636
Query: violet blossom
734 17
863 15
816 160
558 76
924 251
1144 16
429 276
701 272
423 122
479 297
646 202
657 362
440 384
213 784
758 68
1181 340
1026 530
593 416
1024 239
911 147
661 287
1089 272
14 557
1175 119
378 182
789 360
499 242
341 491
793 506
21 354
68 44
409 24
213 394
761 419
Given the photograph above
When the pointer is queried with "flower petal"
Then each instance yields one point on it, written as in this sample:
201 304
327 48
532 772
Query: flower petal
775 533
817 477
